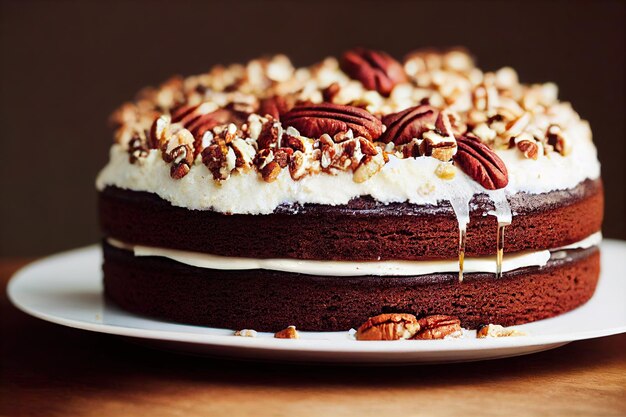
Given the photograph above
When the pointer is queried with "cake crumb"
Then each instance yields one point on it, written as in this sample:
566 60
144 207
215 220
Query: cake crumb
246 333
495 330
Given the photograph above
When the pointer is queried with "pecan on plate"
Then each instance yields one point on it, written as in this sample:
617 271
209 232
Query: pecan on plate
479 162
313 120
437 327
394 326
287 333
375 69
404 126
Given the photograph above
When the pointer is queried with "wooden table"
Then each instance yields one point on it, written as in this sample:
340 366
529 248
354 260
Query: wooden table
49 370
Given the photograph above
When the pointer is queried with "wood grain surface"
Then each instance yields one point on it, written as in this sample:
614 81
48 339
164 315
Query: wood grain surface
49 370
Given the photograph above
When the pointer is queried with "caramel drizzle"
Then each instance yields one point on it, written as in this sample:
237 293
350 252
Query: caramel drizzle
500 248
462 239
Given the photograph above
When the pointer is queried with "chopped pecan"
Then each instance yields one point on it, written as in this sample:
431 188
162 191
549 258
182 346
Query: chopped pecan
275 106
219 159
367 147
557 139
330 92
269 163
368 167
180 137
437 327
297 167
316 119
270 171
287 333
527 145
375 69
244 152
269 135
159 132
409 124
137 149
182 159
282 156
411 149
293 142
479 162
394 326
437 146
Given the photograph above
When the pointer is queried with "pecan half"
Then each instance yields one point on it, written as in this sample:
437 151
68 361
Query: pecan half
313 120
479 162
375 69
393 326
437 327
404 126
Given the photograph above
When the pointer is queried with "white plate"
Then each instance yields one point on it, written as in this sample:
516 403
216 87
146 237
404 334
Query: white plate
67 289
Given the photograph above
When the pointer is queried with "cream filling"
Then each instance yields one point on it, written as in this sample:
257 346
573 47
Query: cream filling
350 268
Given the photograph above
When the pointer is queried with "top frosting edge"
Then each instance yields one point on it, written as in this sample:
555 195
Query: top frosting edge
418 131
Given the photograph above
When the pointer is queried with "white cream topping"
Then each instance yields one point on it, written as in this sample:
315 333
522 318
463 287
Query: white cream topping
350 268
400 180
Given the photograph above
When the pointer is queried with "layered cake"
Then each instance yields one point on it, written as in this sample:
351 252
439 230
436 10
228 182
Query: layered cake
260 196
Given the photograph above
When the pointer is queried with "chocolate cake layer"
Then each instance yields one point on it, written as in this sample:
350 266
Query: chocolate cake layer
361 230
271 300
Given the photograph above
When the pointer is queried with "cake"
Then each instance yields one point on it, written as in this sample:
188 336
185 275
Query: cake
261 196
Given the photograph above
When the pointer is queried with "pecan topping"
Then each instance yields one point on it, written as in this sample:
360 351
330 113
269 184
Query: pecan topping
375 69
202 118
287 333
557 139
269 135
393 326
479 162
437 327
219 159
404 126
368 166
182 159
159 132
330 92
316 119
527 145
137 149
274 106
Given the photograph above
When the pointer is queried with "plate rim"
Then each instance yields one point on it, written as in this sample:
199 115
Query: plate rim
293 345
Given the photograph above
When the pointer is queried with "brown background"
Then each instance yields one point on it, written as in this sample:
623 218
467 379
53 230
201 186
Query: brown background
67 64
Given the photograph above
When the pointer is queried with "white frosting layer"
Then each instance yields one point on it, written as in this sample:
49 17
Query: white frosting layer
351 268
412 180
